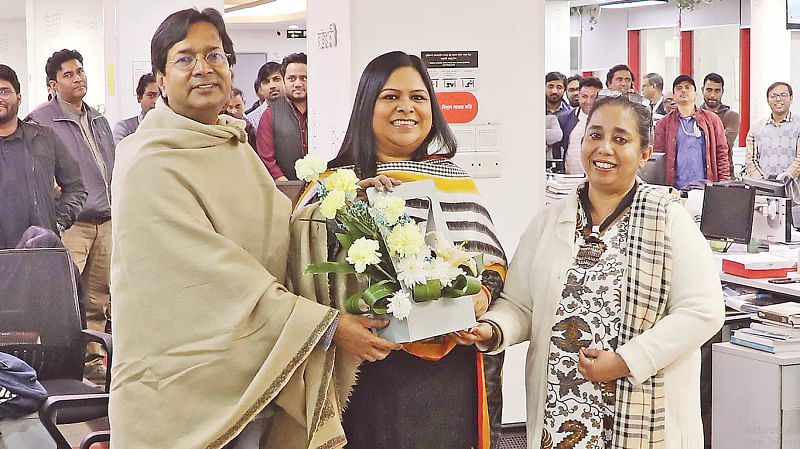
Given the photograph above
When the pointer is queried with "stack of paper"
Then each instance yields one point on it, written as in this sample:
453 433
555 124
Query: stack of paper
744 299
766 340
559 185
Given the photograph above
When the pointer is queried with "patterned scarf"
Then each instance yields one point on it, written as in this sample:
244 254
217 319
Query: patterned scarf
639 410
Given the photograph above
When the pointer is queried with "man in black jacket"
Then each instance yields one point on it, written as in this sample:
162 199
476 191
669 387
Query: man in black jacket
31 157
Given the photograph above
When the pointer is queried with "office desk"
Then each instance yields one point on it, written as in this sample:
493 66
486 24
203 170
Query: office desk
763 284
755 394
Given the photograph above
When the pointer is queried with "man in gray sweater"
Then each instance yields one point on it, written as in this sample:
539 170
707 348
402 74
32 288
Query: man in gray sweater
88 137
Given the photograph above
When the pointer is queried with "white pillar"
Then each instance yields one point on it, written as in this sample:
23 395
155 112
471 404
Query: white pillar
770 47
128 29
511 58
56 24
557 37
510 45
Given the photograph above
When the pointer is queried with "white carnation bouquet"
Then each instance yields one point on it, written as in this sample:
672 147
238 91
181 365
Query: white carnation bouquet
386 246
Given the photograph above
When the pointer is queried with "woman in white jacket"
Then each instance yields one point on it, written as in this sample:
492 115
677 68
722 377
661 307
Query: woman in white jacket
616 312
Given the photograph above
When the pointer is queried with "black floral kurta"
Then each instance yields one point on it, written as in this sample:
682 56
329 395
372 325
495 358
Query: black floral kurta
579 413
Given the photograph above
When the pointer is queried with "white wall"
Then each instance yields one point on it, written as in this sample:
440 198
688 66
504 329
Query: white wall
770 44
13 53
264 39
607 44
795 78
712 14
661 16
499 37
332 76
660 53
556 37
76 25
721 57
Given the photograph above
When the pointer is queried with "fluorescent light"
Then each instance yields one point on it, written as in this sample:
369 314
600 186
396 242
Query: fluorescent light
293 27
632 3
271 9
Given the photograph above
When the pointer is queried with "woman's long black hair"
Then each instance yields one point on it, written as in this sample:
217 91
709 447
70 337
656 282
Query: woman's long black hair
359 147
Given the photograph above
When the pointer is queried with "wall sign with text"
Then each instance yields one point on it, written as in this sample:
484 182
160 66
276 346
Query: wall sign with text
452 70
458 107
327 37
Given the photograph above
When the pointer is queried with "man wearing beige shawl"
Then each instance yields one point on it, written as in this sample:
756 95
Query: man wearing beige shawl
212 351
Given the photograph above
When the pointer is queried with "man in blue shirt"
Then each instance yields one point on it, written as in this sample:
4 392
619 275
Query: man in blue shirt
693 139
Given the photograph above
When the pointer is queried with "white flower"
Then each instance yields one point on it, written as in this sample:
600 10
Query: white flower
309 167
344 180
363 252
405 240
413 270
391 207
444 271
332 202
455 255
400 304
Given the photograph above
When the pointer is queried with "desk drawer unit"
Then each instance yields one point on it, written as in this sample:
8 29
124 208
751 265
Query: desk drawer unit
790 407
756 399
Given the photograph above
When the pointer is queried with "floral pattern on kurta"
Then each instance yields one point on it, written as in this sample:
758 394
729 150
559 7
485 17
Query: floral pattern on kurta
579 413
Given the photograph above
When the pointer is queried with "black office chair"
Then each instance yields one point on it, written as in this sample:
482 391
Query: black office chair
40 323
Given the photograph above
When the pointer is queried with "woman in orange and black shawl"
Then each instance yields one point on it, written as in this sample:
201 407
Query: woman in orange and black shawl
433 393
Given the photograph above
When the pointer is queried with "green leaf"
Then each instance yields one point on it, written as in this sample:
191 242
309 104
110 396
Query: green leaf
353 304
427 292
352 229
381 307
345 239
462 286
478 258
379 291
330 267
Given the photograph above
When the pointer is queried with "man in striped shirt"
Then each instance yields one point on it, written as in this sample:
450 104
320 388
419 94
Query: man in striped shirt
773 144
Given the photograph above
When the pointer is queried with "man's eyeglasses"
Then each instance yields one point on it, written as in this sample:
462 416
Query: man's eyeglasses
633 98
186 62
781 95
7 93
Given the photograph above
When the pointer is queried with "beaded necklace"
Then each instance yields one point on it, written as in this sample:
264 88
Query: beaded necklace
593 247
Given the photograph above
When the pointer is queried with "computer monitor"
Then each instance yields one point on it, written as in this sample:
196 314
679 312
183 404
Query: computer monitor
728 212
655 169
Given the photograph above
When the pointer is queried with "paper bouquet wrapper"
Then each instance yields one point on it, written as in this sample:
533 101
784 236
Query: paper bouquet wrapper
429 319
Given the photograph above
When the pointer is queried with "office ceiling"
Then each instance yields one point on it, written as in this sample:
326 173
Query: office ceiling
281 13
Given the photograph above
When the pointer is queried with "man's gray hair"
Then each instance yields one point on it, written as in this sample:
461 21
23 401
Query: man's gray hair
655 79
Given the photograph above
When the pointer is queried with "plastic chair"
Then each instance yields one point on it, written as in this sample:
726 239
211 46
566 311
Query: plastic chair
40 323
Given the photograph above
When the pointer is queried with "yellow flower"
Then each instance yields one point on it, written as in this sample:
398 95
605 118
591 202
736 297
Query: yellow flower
363 252
332 202
391 207
405 240
309 167
343 180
